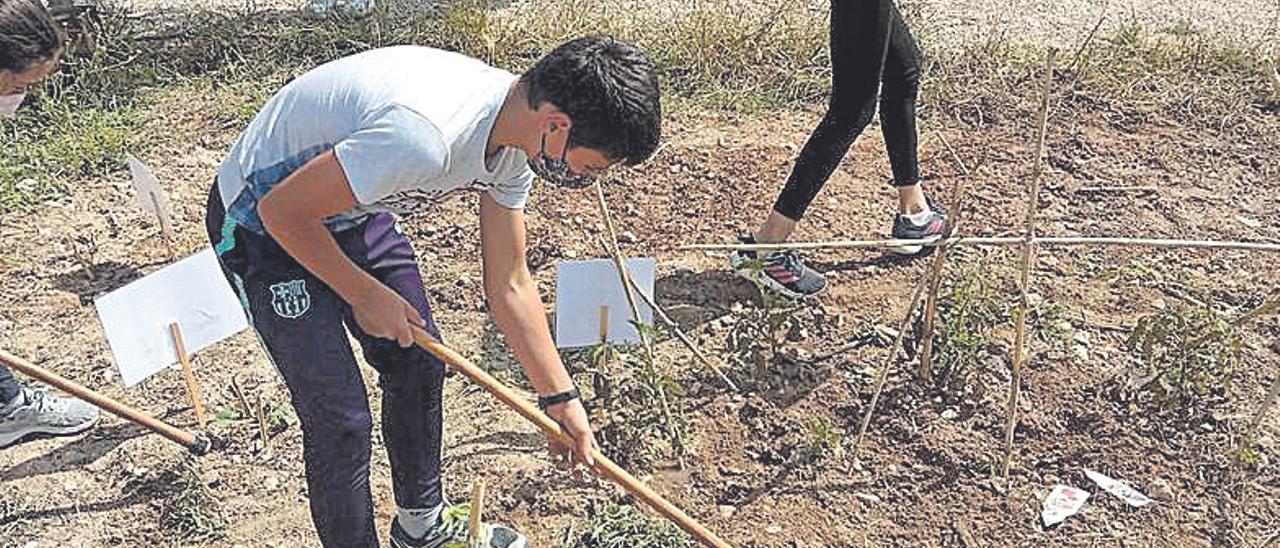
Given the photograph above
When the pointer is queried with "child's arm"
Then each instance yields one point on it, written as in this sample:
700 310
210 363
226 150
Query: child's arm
293 213
518 311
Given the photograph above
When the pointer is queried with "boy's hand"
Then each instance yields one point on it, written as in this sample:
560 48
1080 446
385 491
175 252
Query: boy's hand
383 313
573 420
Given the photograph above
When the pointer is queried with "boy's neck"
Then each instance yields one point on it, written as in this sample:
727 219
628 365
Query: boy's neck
514 119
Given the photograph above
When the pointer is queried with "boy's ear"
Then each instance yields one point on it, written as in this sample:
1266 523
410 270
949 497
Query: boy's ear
553 118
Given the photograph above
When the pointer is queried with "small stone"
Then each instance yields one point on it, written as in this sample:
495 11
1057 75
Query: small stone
1246 221
1081 352
773 529
271 483
627 237
867 498
950 414
1160 490
571 253
1082 337
1207 427
32 544
1158 303
726 510
1051 479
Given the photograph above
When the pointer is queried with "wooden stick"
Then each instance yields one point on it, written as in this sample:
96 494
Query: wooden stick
244 402
195 443
603 466
996 240
166 231
1024 277
604 324
1117 189
620 261
1272 394
935 273
188 375
475 534
883 374
675 328
260 411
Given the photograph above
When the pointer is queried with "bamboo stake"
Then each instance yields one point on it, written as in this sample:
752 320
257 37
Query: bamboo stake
1024 277
195 443
244 402
260 411
188 375
1042 241
883 374
1085 189
620 261
939 262
1272 394
475 533
603 466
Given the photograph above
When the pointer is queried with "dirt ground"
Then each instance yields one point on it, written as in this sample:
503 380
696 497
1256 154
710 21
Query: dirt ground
924 473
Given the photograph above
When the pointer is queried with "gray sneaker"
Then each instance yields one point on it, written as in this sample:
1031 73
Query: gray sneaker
37 412
451 532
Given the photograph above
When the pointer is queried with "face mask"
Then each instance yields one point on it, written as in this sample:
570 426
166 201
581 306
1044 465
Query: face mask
557 172
9 104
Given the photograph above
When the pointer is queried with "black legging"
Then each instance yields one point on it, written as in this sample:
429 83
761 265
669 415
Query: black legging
870 44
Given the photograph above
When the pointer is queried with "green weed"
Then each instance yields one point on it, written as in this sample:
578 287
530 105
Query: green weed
618 526
1188 353
635 401
191 510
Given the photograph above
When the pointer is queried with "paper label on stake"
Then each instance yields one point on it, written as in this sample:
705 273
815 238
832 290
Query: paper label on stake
1063 502
191 292
583 287
1118 488
151 198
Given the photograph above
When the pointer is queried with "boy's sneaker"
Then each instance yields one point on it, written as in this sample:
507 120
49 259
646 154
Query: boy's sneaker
37 412
451 532
782 271
933 225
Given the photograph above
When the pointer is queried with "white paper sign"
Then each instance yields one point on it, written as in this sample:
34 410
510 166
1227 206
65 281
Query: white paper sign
582 287
1118 488
191 292
1062 503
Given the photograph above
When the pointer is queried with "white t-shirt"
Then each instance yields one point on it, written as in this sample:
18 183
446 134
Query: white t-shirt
404 120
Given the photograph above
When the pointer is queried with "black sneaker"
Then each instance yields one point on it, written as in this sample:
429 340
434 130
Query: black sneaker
781 271
903 229
451 532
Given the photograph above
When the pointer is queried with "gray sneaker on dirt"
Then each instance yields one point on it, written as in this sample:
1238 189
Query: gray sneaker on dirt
37 412
783 272
451 532
903 229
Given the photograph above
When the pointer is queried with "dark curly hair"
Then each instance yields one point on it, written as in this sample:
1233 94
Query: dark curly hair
28 35
609 88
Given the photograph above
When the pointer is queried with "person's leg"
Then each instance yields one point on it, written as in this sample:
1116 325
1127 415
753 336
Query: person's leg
915 218
300 322
411 378
9 387
901 87
859 38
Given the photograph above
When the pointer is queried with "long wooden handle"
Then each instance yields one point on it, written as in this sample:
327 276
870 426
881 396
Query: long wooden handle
604 467
195 443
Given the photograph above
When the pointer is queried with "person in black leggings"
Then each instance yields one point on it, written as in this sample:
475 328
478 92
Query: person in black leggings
30 44
872 53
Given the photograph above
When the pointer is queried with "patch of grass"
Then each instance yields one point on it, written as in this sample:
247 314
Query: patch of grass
618 526
1189 353
191 511
1249 456
822 439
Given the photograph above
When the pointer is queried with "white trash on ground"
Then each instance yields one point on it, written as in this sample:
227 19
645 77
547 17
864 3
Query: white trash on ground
1063 502
1118 488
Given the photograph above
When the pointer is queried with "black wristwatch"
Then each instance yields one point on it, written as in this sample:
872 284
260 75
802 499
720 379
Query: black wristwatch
556 399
